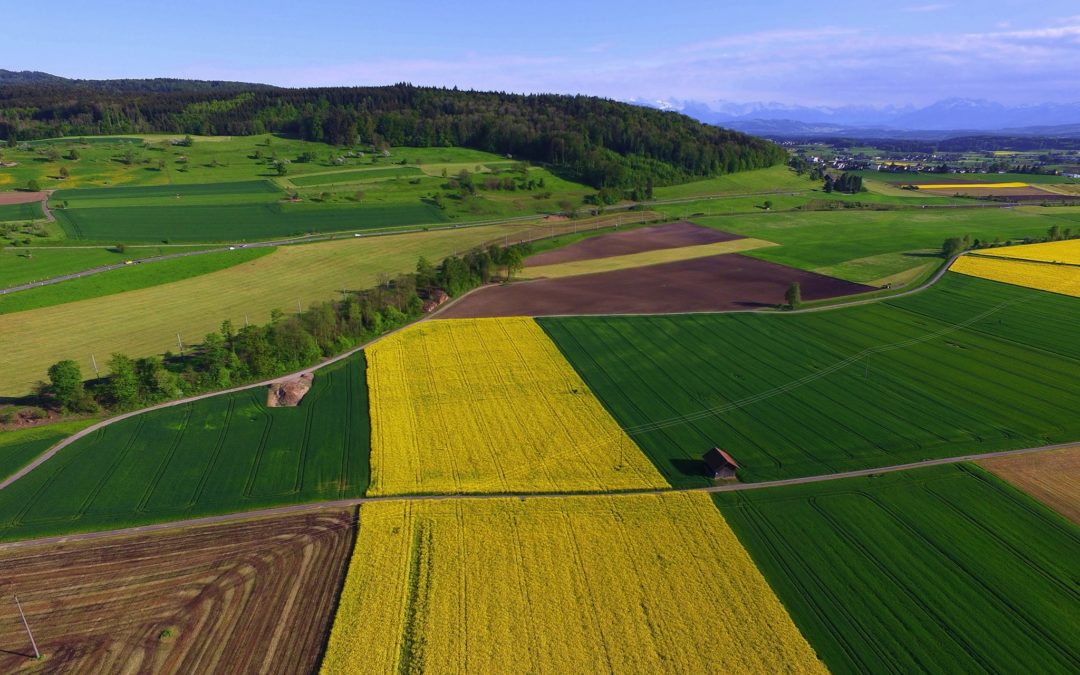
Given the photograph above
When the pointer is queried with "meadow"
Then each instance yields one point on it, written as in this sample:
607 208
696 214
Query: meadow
571 584
945 569
20 265
146 321
221 454
871 246
488 406
931 375
355 176
130 278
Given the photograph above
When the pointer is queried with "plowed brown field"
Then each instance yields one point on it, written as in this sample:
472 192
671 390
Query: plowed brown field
716 283
247 597
652 238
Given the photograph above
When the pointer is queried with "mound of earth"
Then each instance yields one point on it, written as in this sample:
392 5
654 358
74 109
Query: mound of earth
716 283
288 393
652 238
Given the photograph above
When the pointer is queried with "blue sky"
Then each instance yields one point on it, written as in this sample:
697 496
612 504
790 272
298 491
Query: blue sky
831 52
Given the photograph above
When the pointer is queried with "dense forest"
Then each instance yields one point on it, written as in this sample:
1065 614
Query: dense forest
597 141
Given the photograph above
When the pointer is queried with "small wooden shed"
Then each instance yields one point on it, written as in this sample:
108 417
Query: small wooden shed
720 464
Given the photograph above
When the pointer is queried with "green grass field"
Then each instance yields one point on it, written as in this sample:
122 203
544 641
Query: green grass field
222 454
355 176
807 394
129 278
18 448
146 321
235 222
865 246
27 211
946 569
20 265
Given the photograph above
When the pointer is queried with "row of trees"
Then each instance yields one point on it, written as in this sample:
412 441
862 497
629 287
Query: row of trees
847 182
597 141
956 245
233 356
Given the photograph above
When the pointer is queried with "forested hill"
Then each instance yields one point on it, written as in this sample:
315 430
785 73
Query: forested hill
598 141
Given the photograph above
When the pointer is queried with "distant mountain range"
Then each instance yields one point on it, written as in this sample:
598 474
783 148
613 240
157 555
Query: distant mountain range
942 119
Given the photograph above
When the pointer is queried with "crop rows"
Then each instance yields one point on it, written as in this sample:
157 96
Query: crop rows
216 455
490 405
944 569
576 584
233 222
794 395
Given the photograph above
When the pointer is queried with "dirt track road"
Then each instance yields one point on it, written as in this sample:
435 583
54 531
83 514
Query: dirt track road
359 501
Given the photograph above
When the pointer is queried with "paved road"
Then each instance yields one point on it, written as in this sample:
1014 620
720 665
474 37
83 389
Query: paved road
345 503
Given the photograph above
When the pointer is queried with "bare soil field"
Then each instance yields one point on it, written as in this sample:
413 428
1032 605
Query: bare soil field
652 238
1052 477
716 283
21 197
247 597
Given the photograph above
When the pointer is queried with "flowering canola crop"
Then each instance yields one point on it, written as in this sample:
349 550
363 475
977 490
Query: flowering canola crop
1045 276
1067 251
632 583
490 405
969 186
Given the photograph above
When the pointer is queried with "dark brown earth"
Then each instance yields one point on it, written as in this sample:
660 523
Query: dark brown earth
715 283
652 238
247 597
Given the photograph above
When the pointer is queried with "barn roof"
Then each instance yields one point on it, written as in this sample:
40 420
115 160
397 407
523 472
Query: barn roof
717 458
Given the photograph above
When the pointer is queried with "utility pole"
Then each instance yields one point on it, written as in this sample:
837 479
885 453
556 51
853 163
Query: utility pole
37 654
94 362
180 344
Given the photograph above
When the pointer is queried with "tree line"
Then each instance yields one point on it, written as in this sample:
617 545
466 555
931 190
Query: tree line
234 355
600 142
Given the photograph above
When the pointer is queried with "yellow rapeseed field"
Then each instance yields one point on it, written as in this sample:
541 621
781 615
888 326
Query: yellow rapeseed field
969 186
1067 251
490 405
587 584
1064 279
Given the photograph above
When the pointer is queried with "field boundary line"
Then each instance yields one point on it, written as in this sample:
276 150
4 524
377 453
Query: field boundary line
358 501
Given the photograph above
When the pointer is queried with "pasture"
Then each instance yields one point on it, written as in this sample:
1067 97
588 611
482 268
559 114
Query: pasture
130 278
20 265
967 366
354 176
500 409
235 597
570 584
220 454
945 569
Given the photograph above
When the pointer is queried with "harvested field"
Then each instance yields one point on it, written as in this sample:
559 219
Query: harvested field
1052 477
715 283
645 258
248 597
621 584
652 238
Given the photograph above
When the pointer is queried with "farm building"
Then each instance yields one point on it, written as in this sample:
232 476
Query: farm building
720 464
